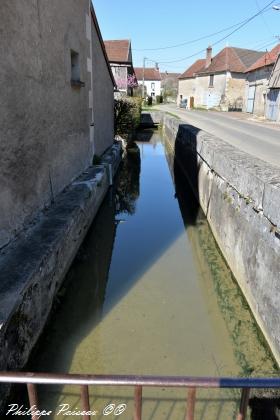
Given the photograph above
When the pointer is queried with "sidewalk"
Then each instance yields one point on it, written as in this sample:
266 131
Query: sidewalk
249 117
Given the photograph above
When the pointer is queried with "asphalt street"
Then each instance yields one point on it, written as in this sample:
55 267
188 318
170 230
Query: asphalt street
256 138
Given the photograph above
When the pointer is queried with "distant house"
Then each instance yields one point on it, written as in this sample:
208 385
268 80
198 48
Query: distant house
258 76
120 59
152 80
273 95
169 85
220 83
187 83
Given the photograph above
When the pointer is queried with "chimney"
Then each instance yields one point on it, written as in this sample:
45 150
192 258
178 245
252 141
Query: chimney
208 56
156 66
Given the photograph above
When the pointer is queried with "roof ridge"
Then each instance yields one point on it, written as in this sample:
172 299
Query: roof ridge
117 40
199 60
239 58
128 50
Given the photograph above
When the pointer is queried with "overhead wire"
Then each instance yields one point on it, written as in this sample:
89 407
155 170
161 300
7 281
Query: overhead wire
257 47
192 41
262 17
242 56
248 20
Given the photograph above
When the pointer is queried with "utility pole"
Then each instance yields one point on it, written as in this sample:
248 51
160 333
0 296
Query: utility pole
143 77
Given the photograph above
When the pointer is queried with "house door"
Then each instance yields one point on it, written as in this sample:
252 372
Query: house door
191 102
251 99
272 104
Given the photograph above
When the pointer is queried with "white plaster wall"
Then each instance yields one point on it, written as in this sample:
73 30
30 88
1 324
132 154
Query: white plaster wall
203 90
187 88
148 84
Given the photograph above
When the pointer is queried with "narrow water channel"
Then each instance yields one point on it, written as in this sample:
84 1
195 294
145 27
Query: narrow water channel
149 293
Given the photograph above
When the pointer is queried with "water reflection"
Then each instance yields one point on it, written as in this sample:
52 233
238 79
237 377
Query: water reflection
128 183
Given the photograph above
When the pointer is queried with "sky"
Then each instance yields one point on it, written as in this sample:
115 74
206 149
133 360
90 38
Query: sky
165 23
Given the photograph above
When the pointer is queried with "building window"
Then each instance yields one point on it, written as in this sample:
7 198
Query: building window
153 86
75 66
211 80
75 70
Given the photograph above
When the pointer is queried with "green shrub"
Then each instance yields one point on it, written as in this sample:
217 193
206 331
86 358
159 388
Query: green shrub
127 116
159 99
149 101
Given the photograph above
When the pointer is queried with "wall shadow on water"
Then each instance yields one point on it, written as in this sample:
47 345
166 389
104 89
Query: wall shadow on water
186 198
145 135
265 408
186 166
147 121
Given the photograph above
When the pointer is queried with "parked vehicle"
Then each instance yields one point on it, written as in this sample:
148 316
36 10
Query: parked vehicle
183 103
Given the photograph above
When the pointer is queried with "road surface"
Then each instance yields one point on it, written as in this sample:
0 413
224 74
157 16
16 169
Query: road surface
256 138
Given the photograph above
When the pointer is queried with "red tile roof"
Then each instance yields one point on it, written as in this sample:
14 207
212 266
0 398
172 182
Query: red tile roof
267 59
150 74
168 75
118 50
232 59
194 68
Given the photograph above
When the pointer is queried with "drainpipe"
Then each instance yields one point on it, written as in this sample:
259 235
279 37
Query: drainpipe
110 174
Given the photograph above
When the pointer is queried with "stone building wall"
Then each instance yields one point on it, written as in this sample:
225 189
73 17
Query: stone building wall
211 95
258 78
44 120
227 92
186 88
235 92
103 98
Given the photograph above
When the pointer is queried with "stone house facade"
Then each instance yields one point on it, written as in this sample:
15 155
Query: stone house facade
273 94
120 58
187 83
152 80
56 104
257 81
219 82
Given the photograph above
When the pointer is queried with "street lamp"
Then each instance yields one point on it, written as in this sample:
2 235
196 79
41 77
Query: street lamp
276 7
143 77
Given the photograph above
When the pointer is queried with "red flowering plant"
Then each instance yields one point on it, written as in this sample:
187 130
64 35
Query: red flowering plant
124 83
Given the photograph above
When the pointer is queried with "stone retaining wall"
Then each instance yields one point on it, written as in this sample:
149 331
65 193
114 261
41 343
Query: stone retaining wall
32 269
240 196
